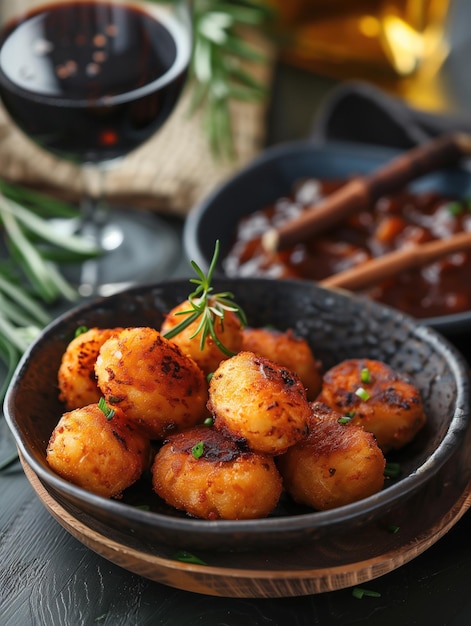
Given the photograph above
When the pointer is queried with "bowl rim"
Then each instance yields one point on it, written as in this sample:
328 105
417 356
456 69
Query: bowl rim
449 324
459 423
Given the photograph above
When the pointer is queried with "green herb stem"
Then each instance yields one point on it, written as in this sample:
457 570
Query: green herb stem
208 307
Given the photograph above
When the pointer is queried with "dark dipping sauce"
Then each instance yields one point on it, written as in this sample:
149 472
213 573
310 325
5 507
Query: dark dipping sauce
394 222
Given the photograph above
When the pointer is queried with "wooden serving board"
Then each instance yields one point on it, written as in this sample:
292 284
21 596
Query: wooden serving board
337 562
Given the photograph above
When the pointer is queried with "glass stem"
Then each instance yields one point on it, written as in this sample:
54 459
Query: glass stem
95 226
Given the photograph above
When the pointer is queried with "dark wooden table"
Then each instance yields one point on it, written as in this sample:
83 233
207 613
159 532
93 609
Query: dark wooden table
48 578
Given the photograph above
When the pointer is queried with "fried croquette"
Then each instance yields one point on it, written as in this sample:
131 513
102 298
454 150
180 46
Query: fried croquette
377 398
208 356
288 350
104 455
150 379
76 376
336 464
259 403
204 473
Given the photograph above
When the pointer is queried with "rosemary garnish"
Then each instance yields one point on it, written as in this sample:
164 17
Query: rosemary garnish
218 75
210 307
29 278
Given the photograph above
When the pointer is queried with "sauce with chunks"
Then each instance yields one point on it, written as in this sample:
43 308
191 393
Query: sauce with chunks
394 222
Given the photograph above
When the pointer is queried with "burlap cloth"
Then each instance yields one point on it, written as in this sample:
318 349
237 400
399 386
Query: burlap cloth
170 173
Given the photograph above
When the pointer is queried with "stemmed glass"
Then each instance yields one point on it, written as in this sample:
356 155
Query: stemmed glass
90 81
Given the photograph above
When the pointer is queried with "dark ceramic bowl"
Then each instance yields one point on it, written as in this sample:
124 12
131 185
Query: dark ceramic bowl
272 176
337 327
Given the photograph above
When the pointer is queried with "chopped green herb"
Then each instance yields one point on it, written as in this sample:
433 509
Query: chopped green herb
197 450
362 394
360 592
365 375
210 307
105 409
392 470
218 65
80 331
345 419
209 376
455 208
100 618
208 421
187 557
143 507
393 529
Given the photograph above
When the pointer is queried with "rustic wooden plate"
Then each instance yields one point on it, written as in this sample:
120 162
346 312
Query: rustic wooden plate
342 560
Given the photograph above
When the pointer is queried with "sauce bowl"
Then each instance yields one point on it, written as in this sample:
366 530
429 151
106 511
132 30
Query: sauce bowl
272 176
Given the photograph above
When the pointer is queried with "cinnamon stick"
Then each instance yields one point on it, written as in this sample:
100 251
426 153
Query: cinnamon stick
363 191
375 270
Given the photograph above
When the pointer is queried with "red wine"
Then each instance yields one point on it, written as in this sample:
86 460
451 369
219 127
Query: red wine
91 81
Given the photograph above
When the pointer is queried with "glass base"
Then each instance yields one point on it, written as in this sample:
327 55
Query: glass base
138 248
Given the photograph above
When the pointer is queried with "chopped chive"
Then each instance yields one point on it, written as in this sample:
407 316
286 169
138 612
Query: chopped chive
197 450
365 375
393 529
208 421
392 470
209 376
105 409
187 557
362 394
345 419
360 592
80 331
455 208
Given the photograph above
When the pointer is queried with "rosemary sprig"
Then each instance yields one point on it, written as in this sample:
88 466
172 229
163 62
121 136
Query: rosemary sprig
210 307
217 72
29 280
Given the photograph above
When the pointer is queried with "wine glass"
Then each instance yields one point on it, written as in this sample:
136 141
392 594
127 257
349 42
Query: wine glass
90 81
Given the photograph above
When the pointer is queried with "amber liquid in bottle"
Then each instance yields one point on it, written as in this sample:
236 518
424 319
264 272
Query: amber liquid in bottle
362 38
